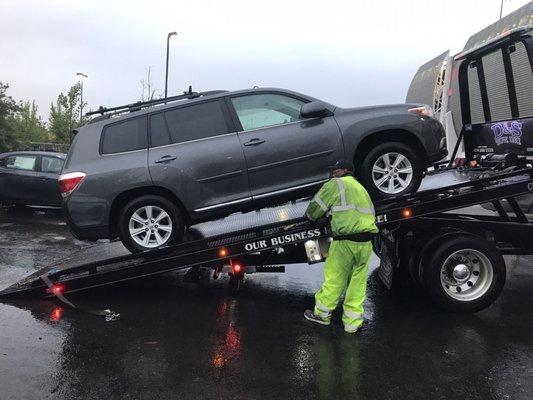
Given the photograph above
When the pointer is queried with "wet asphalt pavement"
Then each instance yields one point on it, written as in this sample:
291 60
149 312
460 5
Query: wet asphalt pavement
177 340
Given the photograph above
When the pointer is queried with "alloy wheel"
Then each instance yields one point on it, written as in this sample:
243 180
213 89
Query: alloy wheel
392 173
150 226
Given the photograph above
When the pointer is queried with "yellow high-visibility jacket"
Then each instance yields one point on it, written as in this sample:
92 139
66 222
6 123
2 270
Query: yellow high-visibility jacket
349 205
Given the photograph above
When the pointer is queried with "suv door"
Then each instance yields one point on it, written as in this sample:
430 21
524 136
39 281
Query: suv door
48 174
18 179
195 152
283 152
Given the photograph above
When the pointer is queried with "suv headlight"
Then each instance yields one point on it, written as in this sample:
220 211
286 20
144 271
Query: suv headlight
423 111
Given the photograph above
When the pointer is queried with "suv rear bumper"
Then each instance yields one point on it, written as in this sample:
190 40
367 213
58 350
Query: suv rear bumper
86 232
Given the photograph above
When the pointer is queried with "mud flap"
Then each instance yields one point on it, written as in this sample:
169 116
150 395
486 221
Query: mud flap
386 249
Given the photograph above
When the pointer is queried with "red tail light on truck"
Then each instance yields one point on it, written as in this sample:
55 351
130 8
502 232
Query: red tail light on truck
70 182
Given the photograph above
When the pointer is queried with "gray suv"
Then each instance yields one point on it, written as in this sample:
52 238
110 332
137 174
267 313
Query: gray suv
146 171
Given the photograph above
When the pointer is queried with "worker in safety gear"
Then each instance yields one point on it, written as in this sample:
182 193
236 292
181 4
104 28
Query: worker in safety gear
352 218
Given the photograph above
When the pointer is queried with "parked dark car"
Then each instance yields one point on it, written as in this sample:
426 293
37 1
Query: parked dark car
147 174
31 178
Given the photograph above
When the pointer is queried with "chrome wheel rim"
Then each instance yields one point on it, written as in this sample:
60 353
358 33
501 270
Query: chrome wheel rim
150 226
392 173
466 275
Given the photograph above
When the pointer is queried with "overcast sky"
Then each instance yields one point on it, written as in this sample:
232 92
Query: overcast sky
349 53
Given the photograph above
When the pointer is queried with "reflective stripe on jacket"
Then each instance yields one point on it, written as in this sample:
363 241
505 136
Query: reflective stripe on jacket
349 205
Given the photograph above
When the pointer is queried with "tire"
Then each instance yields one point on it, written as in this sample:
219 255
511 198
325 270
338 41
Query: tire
404 182
464 273
157 205
427 249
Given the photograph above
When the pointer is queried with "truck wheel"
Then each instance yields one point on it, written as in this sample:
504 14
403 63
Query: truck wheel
465 273
425 253
391 169
149 222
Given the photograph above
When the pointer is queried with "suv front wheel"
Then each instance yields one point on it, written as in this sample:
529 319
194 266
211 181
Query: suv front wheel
149 222
391 169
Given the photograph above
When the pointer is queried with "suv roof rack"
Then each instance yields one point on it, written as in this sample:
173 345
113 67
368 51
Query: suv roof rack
108 112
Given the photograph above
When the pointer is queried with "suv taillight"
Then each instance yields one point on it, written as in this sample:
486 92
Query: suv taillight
70 182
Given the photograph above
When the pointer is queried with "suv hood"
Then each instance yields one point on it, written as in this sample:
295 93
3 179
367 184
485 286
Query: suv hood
384 109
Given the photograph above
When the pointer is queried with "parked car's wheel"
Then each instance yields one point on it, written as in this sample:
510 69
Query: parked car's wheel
464 273
391 169
149 222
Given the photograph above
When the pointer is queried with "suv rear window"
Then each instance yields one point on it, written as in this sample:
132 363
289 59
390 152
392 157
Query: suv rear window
124 136
195 122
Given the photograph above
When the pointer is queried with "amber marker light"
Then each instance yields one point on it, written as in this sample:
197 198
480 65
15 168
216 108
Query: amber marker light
406 213
223 252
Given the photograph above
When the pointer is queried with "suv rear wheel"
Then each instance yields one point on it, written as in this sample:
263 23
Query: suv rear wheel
391 169
149 222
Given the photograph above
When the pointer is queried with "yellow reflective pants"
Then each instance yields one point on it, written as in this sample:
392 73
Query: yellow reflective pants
346 268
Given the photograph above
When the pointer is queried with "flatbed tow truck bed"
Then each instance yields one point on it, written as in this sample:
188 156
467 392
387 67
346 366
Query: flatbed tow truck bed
413 227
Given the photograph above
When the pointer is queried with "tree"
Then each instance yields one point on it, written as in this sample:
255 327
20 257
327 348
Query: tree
8 107
28 125
148 93
64 115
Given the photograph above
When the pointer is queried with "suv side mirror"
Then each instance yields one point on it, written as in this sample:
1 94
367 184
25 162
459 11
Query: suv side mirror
314 109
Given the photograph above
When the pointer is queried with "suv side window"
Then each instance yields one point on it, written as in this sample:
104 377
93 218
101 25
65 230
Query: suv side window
24 162
194 122
52 165
260 110
159 135
125 136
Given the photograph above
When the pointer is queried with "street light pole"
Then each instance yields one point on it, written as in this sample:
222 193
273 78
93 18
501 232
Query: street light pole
82 77
170 34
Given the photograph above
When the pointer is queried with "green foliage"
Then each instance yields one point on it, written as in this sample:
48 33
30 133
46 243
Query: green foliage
28 125
8 108
65 115
21 126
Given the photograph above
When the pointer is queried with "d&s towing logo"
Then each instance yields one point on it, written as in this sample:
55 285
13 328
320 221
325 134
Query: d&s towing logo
507 132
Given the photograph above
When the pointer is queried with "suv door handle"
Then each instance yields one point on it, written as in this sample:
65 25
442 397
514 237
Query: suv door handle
165 159
254 142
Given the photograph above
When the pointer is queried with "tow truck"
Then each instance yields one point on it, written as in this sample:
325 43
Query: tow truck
455 256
